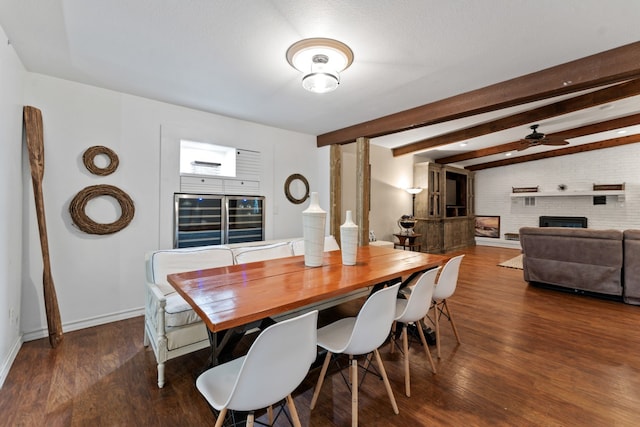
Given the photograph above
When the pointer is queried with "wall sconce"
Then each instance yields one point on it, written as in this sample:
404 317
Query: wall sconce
413 191
321 60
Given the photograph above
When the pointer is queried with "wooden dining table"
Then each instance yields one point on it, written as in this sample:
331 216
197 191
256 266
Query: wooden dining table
236 295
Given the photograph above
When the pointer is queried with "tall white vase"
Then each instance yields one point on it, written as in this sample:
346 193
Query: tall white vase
313 223
349 240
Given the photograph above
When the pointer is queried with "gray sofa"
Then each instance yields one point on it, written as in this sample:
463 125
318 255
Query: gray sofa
605 262
632 267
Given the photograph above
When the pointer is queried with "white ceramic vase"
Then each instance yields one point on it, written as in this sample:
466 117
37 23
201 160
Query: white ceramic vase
313 224
349 240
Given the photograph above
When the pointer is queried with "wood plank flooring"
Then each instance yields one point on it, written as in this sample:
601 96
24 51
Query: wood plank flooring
529 357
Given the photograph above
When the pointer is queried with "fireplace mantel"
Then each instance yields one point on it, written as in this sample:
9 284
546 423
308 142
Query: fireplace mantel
587 193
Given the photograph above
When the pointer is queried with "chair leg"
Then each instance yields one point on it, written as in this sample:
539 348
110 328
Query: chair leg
354 392
270 415
221 416
323 372
437 325
250 419
453 325
426 346
405 345
350 371
386 382
392 342
293 411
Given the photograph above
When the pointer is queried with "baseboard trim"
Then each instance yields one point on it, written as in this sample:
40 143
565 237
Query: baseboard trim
501 243
8 362
85 323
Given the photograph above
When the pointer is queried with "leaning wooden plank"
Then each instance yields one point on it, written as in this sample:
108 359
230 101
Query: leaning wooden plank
35 145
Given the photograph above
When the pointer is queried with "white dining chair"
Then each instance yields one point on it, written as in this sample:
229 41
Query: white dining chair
445 287
413 311
277 362
360 335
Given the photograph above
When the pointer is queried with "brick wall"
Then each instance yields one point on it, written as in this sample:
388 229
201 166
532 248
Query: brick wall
578 172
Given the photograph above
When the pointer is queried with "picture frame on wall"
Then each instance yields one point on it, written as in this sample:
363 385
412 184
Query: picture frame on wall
487 226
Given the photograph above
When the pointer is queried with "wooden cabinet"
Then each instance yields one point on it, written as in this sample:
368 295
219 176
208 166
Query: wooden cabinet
445 208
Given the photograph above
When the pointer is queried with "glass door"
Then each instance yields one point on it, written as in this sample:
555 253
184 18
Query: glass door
245 219
198 220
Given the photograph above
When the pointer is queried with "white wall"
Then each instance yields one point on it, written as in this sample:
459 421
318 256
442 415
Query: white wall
390 176
11 196
578 172
101 278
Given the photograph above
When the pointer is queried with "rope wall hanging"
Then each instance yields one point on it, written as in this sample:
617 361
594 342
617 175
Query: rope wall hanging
83 222
89 160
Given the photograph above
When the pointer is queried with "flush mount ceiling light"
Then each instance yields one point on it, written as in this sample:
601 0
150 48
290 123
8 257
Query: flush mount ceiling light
321 60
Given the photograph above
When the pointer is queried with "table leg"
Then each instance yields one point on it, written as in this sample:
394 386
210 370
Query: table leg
213 342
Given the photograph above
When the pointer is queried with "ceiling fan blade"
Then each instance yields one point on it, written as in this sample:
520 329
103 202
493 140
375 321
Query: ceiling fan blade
555 142
524 145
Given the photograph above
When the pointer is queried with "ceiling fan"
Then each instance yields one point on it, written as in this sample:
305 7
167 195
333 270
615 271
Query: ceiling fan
536 138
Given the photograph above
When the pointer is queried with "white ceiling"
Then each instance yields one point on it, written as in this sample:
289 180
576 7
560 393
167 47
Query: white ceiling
228 57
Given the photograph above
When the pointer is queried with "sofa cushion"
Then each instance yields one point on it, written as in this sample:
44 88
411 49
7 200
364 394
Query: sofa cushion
171 261
261 253
186 335
178 312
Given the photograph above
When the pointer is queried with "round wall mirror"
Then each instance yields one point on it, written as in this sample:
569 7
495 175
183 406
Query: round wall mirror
296 188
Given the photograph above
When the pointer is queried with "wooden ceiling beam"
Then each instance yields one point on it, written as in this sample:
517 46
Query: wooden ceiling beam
604 126
608 143
577 103
612 66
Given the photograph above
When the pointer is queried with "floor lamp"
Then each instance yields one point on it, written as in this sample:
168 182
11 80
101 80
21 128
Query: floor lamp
413 191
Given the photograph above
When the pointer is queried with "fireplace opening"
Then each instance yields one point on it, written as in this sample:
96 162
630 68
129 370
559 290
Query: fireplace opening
563 221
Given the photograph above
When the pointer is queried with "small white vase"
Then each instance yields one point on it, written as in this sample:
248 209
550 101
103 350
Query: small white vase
313 224
349 240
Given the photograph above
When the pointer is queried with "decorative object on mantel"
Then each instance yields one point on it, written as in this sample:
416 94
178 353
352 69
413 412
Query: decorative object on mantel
524 189
86 224
407 224
313 224
88 158
610 187
349 240
32 118
287 188
562 187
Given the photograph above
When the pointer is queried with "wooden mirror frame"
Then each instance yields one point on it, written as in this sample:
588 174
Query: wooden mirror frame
287 188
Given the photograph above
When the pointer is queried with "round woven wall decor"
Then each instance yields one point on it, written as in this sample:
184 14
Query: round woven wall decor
86 224
89 156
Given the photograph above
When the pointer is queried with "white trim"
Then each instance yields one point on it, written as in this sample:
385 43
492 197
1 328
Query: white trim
6 364
501 243
86 323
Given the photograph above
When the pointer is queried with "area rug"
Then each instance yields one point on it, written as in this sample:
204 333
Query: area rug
515 262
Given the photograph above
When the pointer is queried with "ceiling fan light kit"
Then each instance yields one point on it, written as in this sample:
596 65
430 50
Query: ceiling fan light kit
536 138
321 60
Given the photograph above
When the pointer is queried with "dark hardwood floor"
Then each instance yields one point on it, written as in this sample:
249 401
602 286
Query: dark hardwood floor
529 357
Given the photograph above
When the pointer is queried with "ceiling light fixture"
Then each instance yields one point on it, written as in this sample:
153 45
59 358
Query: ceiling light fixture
321 60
